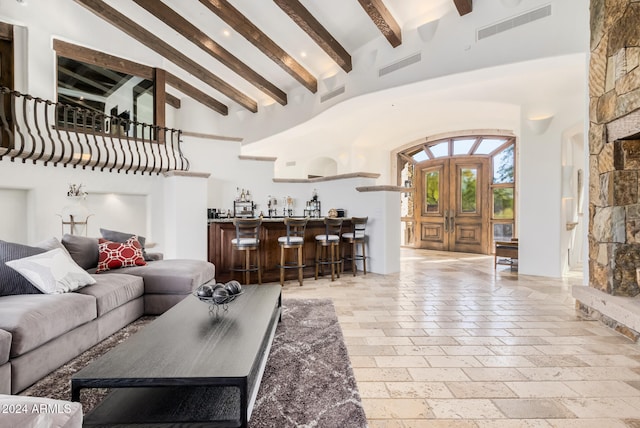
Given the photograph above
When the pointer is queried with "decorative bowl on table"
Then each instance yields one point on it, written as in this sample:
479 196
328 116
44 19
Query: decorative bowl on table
218 294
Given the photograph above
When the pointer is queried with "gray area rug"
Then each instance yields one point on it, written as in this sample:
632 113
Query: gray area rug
308 380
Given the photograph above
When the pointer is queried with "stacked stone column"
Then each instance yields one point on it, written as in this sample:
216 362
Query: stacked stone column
614 90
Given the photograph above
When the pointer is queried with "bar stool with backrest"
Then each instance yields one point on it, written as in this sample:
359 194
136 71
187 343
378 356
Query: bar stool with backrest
247 239
294 241
328 247
354 238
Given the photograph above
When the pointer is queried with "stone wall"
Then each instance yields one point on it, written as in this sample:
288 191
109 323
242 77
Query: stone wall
614 160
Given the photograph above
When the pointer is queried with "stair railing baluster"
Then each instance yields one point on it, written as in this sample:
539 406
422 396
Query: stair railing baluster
79 119
57 128
90 129
47 127
66 131
160 145
130 128
103 135
18 130
25 113
142 163
153 137
6 129
163 142
43 143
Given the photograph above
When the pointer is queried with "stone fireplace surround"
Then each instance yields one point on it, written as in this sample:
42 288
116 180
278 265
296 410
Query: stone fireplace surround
613 294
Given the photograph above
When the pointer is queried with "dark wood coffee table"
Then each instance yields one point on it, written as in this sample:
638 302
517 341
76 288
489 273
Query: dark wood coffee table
188 366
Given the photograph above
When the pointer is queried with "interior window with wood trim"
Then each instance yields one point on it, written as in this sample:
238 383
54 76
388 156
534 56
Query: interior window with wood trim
113 90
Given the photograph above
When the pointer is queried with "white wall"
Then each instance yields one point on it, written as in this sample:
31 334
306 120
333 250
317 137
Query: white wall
116 201
544 239
14 204
185 215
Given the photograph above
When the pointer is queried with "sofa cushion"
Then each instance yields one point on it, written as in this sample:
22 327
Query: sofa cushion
52 272
11 282
50 244
116 255
112 291
83 250
5 346
175 276
115 236
35 319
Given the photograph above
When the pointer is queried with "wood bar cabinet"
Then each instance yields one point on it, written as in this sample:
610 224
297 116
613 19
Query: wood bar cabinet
222 231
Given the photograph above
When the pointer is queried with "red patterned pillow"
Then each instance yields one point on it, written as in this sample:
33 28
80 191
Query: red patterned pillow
114 255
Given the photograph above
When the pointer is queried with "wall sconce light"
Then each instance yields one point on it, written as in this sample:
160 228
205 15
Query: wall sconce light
427 30
539 125
330 82
241 114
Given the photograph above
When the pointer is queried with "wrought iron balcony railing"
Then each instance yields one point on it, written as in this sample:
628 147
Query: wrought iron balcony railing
33 129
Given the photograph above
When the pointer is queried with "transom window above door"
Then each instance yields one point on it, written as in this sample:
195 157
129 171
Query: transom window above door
463 146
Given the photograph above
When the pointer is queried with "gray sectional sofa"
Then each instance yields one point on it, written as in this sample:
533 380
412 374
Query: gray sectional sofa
41 332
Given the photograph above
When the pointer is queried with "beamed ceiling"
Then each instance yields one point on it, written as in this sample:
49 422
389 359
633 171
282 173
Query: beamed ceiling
249 53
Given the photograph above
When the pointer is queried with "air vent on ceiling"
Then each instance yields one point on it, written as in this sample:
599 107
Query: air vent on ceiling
291 163
405 62
327 96
516 21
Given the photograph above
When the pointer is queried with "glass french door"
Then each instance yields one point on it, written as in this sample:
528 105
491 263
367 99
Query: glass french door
453 212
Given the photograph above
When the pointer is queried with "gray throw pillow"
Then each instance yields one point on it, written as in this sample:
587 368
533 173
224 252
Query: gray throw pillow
83 250
122 237
11 282
50 244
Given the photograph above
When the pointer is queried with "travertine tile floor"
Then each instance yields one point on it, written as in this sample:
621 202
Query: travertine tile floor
449 342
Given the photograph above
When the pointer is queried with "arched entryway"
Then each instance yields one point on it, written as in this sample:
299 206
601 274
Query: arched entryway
464 194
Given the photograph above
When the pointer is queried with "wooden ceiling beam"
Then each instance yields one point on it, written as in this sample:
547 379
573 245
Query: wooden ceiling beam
172 100
383 19
6 31
101 59
192 33
80 78
128 26
196 94
463 6
236 20
316 31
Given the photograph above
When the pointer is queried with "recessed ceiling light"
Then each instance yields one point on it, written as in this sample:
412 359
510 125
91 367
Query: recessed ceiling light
226 33
303 54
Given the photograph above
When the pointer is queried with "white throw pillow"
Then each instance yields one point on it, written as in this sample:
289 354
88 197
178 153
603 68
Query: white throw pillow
52 272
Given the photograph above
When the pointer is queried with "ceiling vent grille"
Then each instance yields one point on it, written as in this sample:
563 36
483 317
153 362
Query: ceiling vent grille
516 21
332 94
405 62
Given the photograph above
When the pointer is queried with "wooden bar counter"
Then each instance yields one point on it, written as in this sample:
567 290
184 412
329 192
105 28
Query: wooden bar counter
222 231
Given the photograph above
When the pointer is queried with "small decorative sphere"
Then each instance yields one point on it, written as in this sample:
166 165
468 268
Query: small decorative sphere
220 295
233 287
205 291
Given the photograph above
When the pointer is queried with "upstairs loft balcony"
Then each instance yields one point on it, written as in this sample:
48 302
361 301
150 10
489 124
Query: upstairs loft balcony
58 134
